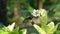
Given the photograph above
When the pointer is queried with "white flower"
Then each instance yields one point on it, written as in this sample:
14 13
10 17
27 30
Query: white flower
11 27
36 13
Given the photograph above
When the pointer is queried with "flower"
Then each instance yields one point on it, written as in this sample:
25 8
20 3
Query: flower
11 27
36 13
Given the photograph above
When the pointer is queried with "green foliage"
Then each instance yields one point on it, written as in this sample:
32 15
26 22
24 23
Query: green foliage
43 18
57 32
50 28
22 31
5 30
57 10
10 8
54 11
39 29
15 31
46 28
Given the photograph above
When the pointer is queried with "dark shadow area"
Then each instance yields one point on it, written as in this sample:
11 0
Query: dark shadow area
3 12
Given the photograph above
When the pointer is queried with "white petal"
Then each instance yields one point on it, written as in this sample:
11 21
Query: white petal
34 14
11 26
34 10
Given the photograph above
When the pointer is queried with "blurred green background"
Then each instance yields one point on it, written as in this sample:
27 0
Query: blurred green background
25 7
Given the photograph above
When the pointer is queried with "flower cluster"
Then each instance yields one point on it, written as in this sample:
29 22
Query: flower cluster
36 13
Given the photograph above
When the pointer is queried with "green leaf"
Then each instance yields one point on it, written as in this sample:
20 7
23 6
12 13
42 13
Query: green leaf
15 31
30 9
55 28
39 29
43 18
57 32
4 30
23 31
50 25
